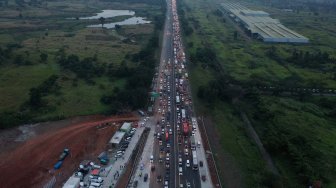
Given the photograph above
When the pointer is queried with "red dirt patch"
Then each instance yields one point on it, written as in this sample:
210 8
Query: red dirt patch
31 164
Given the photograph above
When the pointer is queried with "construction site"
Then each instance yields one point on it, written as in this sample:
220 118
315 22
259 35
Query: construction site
34 161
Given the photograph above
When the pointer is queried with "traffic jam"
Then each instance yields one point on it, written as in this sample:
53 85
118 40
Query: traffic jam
175 98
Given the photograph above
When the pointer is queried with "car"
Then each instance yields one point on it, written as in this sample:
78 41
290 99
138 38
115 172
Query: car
145 177
188 184
167 164
181 185
135 183
180 171
186 151
180 161
201 163
168 145
188 163
151 158
159 178
203 178
166 184
167 157
170 131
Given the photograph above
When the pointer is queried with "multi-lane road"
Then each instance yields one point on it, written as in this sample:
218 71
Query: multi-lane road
174 150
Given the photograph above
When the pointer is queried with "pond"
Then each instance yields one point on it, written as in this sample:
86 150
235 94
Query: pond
128 21
109 14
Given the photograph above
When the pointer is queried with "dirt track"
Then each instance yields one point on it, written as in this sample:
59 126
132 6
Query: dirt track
31 164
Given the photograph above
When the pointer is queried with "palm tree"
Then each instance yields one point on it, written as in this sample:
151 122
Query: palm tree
102 21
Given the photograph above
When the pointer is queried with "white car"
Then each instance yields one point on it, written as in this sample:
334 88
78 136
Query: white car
180 171
188 163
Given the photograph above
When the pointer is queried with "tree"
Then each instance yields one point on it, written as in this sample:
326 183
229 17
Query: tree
35 99
235 35
102 21
117 27
43 57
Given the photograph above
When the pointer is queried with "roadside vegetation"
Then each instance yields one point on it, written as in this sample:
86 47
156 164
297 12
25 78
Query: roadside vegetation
53 67
231 73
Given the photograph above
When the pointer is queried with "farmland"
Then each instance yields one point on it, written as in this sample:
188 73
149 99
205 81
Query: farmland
35 37
225 73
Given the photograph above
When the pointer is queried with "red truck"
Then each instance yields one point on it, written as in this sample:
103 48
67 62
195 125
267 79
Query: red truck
185 129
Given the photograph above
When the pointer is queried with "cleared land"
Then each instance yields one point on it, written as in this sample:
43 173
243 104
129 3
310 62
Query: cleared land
31 163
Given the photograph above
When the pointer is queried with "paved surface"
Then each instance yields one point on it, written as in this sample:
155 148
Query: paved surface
109 176
202 157
144 166
167 118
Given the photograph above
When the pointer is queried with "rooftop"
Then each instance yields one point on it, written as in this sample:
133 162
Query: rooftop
259 22
117 137
72 182
126 126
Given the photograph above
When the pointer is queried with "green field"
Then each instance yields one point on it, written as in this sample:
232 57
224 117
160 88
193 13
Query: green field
276 119
43 28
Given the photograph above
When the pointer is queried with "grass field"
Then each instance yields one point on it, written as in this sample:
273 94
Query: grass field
238 159
245 59
311 124
44 28
236 55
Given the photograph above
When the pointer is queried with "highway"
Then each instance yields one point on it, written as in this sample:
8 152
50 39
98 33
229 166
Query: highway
171 158
171 141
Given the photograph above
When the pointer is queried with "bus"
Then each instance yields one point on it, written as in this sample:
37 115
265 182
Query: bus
183 113
195 162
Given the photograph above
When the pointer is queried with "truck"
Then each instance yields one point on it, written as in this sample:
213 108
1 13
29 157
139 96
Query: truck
177 99
195 162
183 113
193 142
64 154
185 129
141 112
58 165
167 136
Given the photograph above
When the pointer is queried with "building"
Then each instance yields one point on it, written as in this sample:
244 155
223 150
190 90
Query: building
73 182
260 25
116 139
126 127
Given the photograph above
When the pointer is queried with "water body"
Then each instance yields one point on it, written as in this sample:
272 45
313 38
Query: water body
109 14
129 21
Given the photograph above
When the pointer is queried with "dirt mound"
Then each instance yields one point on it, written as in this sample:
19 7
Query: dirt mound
31 164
